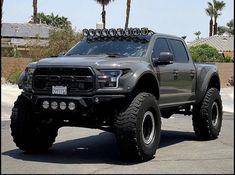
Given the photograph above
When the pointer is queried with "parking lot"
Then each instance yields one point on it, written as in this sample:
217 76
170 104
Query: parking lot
81 150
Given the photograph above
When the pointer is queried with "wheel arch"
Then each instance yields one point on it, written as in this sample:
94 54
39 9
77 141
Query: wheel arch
210 80
147 82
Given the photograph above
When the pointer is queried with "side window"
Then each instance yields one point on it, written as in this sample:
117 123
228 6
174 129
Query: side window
179 50
160 46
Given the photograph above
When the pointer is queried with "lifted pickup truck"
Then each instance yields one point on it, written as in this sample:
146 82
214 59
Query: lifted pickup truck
121 81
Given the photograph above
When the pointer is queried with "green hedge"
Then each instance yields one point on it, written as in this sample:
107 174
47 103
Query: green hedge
206 53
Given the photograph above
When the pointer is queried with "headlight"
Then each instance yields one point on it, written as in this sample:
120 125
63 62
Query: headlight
25 80
109 78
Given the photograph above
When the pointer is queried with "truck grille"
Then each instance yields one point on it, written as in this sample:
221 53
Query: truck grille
76 79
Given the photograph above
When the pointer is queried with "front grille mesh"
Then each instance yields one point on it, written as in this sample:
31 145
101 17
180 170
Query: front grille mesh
76 79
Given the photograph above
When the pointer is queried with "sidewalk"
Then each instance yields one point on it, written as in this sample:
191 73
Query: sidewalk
10 93
227 95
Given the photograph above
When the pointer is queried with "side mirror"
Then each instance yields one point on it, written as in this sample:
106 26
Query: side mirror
164 58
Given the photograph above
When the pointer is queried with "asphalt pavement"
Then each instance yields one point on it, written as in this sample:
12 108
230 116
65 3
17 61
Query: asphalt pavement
91 151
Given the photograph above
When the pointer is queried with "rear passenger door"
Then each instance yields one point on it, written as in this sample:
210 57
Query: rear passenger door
184 71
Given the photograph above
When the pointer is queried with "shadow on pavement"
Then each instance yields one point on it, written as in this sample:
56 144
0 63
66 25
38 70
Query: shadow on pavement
100 148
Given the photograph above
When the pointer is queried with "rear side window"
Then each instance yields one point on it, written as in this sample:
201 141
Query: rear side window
160 46
179 50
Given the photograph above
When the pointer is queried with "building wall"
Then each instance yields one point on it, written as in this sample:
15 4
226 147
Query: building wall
226 71
229 54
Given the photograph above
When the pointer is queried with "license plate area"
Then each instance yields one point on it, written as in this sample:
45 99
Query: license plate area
59 90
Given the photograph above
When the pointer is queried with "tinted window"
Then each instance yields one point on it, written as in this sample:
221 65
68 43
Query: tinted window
179 50
160 46
122 47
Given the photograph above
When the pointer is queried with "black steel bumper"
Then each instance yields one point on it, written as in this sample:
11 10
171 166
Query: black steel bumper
82 102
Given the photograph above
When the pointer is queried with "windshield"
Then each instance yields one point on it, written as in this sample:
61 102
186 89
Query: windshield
132 48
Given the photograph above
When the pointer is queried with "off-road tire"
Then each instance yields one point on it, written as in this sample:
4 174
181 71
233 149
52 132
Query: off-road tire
29 135
207 116
130 126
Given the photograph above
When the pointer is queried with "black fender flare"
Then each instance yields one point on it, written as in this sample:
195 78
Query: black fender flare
204 82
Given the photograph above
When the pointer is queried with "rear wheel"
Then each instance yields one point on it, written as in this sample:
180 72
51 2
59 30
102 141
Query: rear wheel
29 135
207 116
138 128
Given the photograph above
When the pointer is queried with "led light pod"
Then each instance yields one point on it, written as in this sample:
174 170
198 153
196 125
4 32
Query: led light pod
92 32
136 31
120 32
85 32
71 106
54 105
105 32
112 32
98 32
45 104
144 31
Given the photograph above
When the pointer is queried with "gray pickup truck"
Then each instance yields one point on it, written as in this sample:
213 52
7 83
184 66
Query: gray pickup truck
120 81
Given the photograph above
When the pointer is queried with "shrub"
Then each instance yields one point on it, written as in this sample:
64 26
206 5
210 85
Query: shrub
60 41
206 53
14 77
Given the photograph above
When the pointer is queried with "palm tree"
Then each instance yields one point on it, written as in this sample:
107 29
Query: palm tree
103 3
218 7
35 11
198 33
230 25
215 10
128 7
210 12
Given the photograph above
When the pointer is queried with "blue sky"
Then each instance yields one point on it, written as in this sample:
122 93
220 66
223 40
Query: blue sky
176 17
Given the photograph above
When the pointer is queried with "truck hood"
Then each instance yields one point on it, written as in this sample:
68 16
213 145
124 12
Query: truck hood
101 61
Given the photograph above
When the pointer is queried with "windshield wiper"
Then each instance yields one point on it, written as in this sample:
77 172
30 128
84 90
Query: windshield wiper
73 54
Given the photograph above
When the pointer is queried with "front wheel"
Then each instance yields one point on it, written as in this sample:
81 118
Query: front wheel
138 128
207 116
29 135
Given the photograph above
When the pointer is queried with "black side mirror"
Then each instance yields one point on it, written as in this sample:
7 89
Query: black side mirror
164 58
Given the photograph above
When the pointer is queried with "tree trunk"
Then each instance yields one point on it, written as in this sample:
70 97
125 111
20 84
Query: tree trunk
103 15
215 27
128 7
35 11
1 11
211 27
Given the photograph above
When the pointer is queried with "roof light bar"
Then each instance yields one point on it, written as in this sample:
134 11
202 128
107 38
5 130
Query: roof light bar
130 32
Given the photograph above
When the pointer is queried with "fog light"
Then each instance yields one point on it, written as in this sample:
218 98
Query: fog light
54 105
71 106
45 104
63 105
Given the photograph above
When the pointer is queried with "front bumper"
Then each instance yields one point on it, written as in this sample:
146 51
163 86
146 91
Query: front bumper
81 102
